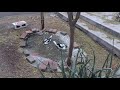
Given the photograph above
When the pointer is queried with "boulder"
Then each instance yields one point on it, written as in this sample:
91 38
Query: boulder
65 39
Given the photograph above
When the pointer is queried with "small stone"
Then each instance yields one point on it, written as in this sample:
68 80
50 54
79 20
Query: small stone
53 65
43 65
22 43
30 59
76 45
63 33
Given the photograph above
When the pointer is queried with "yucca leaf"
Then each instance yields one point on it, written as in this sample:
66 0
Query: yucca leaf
106 60
42 75
81 68
62 66
75 64
116 69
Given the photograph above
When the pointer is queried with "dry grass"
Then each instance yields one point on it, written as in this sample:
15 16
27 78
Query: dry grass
23 68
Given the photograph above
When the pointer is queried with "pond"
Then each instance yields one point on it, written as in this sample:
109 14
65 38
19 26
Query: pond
35 43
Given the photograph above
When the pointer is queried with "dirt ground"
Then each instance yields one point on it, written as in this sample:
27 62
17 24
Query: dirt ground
12 61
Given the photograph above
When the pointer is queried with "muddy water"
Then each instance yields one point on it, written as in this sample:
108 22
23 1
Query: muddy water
35 43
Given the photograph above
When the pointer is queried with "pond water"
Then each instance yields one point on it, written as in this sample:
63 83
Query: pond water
35 42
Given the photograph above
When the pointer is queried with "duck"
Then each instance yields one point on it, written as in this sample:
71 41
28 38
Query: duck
60 45
47 40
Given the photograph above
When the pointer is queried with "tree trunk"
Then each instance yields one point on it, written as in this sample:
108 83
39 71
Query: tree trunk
42 20
72 23
71 45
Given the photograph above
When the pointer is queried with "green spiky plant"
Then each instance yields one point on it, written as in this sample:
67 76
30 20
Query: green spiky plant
82 70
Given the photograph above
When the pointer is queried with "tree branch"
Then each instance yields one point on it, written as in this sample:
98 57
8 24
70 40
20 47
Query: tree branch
70 17
76 18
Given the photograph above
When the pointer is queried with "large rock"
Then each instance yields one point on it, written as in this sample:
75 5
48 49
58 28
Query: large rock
65 39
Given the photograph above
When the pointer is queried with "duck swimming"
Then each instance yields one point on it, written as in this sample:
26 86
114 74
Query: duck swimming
60 45
48 40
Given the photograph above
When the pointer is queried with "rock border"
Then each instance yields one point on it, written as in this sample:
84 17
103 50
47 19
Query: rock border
44 64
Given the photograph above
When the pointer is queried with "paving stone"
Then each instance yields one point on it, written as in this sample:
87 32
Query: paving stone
43 65
30 59
53 65
51 30
29 32
34 54
22 43
26 52
23 36
21 50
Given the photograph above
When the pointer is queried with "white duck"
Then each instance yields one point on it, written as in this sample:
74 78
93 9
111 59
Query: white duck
48 40
60 46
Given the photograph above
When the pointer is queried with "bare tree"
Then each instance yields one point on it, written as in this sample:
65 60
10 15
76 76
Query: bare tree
42 20
72 23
